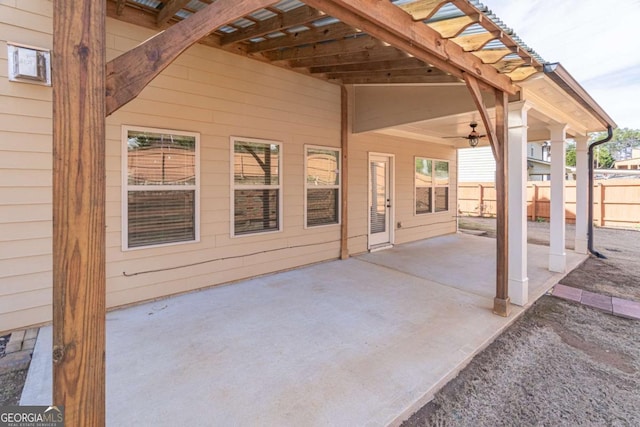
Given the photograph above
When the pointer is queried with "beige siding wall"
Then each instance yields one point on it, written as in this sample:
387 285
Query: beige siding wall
414 227
218 95
25 173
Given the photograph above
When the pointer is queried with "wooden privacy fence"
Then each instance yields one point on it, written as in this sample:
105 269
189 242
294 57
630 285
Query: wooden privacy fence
616 201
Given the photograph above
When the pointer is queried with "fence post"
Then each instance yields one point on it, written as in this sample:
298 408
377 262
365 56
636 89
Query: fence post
534 200
601 205
480 199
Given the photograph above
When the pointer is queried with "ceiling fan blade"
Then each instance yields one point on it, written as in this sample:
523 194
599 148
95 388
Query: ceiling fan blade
455 137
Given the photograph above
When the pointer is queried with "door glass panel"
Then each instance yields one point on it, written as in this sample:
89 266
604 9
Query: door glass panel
378 197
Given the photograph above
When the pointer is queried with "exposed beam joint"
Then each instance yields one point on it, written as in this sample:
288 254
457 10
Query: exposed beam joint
120 6
129 73
169 10
299 16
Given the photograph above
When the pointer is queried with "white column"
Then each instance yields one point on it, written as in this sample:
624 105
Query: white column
518 278
557 254
582 194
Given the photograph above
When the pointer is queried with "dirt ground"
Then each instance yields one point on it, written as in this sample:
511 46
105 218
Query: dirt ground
561 363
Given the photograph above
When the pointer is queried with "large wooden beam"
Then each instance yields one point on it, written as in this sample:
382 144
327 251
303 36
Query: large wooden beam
497 132
389 23
79 210
129 73
299 16
401 79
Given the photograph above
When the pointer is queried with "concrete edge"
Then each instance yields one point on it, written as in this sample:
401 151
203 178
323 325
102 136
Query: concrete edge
521 310
453 373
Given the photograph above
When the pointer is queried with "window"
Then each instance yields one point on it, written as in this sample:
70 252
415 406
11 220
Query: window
432 185
322 186
256 185
161 187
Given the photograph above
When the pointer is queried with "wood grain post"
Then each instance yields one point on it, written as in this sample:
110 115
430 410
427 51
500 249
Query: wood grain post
501 302
481 200
344 183
79 210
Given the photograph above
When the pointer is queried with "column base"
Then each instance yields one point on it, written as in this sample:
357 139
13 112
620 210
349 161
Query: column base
501 307
558 263
519 291
582 246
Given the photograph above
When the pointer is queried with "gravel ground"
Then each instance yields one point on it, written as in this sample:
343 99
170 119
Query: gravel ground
561 363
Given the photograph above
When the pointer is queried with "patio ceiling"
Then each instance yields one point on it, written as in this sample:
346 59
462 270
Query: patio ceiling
296 35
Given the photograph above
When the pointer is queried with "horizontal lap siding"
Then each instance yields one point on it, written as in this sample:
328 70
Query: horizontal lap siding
25 174
212 92
414 227
219 95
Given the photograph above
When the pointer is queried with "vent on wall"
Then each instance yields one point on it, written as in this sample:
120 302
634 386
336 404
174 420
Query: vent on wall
29 64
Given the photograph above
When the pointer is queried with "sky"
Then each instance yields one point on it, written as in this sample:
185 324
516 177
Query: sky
596 41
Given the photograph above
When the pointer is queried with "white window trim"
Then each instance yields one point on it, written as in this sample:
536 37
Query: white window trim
126 187
232 184
433 186
337 186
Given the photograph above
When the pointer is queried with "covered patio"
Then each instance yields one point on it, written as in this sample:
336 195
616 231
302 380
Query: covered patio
365 341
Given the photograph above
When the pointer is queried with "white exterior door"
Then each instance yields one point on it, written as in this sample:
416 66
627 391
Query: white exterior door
380 200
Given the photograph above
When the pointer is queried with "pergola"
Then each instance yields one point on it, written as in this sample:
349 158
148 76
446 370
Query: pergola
343 41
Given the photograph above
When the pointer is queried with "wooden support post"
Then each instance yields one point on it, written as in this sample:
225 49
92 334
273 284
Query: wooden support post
481 200
534 201
501 301
344 182
79 210
498 136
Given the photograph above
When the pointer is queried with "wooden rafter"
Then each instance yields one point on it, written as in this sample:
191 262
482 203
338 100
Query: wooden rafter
401 64
384 74
437 79
522 73
314 35
491 56
300 16
318 50
452 27
468 8
473 42
423 9
169 10
129 73
386 53
391 24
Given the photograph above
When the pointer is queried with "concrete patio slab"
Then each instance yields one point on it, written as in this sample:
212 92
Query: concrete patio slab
359 342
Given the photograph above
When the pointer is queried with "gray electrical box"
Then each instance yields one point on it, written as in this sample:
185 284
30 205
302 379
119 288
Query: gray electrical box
29 64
